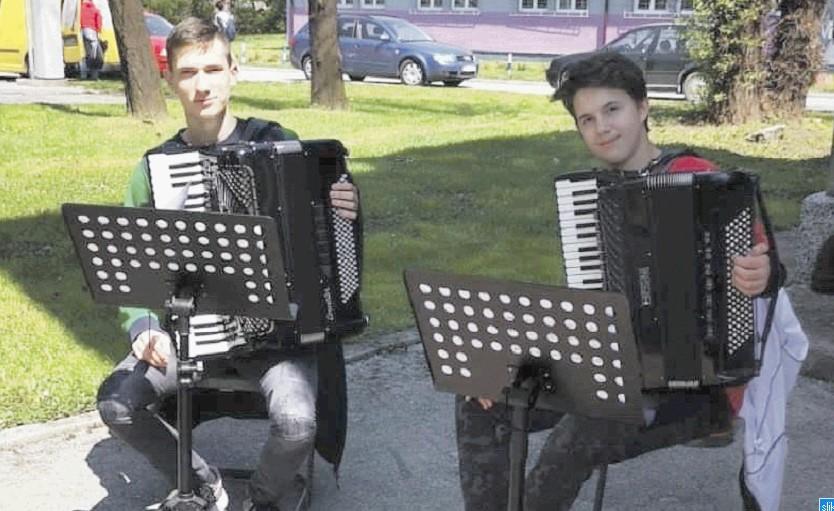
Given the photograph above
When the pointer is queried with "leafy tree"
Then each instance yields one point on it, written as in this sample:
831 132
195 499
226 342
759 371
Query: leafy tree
143 88
251 16
326 86
795 56
725 37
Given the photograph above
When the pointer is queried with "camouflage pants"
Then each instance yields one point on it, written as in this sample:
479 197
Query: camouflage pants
575 446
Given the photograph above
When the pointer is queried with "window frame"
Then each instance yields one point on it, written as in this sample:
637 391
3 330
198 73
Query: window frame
467 6
372 4
653 7
536 9
573 9
433 7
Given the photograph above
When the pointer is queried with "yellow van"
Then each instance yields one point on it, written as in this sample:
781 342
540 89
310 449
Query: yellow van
74 45
14 40
14 43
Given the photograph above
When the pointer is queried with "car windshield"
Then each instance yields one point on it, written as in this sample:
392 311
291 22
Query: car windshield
158 26
637 41
406 32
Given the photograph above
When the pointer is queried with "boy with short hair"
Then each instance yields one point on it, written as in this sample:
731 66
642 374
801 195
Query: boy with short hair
606 95
202 73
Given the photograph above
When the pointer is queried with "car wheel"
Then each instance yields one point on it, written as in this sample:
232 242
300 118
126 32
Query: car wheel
452 83
411 73
307 66
693 87
356 78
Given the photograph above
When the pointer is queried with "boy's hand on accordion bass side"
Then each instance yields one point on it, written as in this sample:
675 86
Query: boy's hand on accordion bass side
751 272
345 198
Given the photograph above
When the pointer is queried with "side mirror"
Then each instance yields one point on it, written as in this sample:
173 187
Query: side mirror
384 37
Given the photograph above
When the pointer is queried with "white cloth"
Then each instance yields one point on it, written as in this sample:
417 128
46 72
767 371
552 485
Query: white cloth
765 402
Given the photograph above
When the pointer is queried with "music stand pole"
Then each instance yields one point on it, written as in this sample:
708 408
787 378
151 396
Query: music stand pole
521 398
179 310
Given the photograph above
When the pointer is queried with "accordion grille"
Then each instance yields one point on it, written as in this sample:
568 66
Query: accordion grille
737 239
346 258
233 189
614 247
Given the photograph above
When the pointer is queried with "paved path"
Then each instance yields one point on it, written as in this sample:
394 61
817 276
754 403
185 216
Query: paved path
57 92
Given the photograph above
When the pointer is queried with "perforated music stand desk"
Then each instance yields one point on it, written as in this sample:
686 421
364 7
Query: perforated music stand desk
529 345
185 262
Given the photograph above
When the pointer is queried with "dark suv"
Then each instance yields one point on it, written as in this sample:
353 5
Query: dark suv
659 50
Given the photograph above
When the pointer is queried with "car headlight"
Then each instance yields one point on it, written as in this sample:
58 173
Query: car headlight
444 58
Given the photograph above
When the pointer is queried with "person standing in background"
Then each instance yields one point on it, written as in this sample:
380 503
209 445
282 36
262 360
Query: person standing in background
224 19
90 30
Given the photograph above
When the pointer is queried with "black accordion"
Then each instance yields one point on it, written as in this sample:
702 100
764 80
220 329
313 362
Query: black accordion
666 241
322 251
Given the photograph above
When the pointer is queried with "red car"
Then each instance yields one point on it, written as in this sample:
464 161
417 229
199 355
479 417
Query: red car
158 29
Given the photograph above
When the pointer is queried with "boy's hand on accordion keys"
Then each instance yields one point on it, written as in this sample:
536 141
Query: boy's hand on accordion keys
751 272
153 347
345 198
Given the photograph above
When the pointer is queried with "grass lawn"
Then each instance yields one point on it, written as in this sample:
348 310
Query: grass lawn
267 50
455 180
522 70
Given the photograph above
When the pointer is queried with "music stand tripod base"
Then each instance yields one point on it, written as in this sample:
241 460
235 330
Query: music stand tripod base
187 263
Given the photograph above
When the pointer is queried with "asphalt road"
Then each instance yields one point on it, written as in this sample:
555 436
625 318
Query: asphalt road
401 455
63 92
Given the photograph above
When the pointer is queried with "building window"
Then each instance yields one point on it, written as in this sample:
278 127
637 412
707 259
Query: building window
687 5
651 5
373 4
465 4
344 4
429 5
532 5
572 5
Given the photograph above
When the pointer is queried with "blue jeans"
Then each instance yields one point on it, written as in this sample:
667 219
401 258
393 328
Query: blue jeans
288 386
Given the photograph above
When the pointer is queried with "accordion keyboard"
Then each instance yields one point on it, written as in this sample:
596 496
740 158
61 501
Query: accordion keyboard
576 201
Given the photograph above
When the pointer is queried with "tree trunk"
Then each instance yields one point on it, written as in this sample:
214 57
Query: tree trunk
831 168
744 84
326 86
796 57
143 88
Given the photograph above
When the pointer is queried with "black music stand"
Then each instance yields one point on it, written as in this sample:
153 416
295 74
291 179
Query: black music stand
528 345
186 262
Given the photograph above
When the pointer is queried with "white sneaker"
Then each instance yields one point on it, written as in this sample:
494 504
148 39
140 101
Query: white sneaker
221 498
218 499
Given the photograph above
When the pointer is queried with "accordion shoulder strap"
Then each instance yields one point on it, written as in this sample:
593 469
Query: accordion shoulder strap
260 130
660 165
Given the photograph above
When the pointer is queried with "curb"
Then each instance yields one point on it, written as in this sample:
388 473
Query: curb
13 438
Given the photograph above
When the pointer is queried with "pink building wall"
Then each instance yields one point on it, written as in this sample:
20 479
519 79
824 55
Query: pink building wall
497 32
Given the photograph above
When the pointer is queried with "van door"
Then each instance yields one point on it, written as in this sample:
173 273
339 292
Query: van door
13 40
